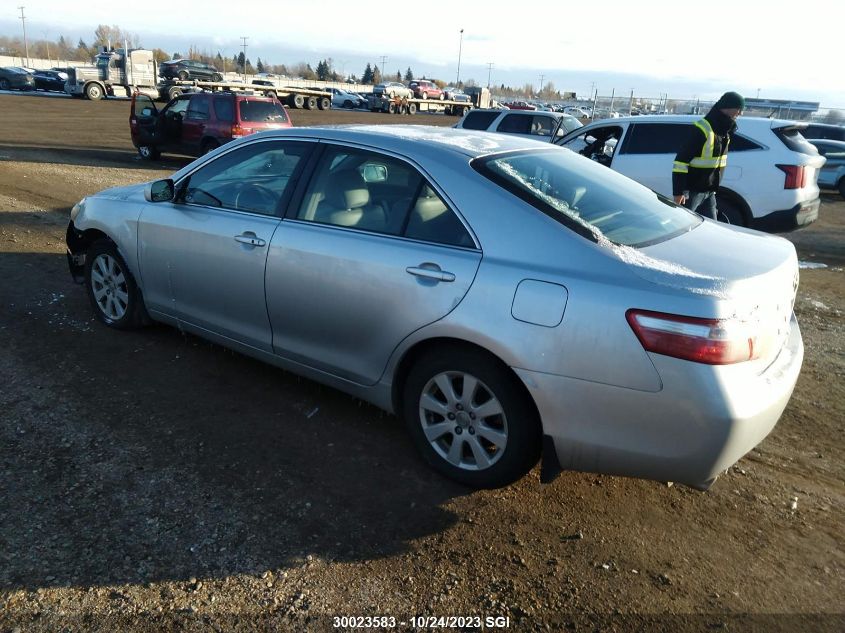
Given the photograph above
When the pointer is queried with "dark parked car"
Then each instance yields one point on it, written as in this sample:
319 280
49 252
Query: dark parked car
198 122
50 80
824 130
15 78
188 69
832 174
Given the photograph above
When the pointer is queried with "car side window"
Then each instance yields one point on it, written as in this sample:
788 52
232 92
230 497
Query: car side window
515 124
478 120
541 126
656 138
224 108
381 194
198 108
254 178
740 143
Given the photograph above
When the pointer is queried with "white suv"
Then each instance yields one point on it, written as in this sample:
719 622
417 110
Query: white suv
535 124
770 183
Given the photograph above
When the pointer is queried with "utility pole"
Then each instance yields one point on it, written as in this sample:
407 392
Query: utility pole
25 43
489 72
381 70
460 46
244 44
540 92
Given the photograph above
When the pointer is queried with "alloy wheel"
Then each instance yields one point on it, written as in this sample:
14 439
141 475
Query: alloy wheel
463 420
108 285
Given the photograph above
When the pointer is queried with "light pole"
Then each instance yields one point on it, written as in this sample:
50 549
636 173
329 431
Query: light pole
489 71
25 43
460 46
244 44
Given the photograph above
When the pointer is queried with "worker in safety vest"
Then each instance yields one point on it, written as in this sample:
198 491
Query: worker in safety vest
699 164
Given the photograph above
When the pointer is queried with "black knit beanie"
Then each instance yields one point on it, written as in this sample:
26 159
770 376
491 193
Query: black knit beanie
730 100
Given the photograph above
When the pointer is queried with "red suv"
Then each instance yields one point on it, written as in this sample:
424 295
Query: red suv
196 123
424 89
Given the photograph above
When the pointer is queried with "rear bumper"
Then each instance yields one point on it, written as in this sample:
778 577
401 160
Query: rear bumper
703 420
800 215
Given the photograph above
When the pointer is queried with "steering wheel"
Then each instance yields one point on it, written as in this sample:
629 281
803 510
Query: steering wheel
255 197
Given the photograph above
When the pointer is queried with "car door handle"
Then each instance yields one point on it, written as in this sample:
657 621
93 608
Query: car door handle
250 238
430 271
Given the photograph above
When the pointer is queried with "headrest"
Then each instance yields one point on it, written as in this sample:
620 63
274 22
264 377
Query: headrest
348 190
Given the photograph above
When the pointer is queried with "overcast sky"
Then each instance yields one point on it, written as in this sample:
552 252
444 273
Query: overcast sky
687 49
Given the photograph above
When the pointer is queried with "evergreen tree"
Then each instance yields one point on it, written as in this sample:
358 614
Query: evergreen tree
409 76
323 70
399 76
368 76
259 66
240 62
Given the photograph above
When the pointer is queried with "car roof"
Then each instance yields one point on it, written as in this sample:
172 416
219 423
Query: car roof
548 113
691 118
412 140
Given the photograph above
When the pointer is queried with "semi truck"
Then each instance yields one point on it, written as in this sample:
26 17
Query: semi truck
121 70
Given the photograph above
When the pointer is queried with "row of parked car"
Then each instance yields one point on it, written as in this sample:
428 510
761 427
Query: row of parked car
20 78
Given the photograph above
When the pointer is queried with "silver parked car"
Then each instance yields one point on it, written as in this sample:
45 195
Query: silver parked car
505 298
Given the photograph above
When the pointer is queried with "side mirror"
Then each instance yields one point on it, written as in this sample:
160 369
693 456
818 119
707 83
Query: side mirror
159 191
146 112
374 172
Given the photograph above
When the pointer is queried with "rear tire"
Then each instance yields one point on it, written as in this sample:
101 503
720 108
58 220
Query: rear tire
729 211
324 103
841 186
470 418
412 108
112 290
311 103
208 145
217 77
296 101
4 84
183 75
173 92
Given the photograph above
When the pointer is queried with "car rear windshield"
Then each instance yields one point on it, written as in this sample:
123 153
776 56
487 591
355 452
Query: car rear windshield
265 110
590 199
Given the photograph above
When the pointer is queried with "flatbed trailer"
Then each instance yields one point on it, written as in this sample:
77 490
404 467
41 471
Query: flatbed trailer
308 98
402 105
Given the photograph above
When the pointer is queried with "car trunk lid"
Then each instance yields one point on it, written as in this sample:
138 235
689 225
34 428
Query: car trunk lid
752 276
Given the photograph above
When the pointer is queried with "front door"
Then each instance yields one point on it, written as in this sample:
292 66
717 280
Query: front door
203 255
195 122
142 120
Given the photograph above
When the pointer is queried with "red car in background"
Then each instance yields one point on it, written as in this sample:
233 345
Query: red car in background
196 123
520 105
425 89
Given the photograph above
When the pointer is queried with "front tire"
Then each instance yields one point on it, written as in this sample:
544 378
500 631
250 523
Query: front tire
4 84
149 152
111 288
470 418
729 211
217 77
94 92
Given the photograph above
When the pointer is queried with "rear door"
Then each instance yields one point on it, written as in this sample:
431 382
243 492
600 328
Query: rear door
351 274
648 150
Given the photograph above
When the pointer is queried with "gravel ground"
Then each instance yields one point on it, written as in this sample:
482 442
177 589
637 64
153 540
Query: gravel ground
153 481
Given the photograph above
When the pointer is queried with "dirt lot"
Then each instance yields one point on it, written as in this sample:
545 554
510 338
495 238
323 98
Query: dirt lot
153 481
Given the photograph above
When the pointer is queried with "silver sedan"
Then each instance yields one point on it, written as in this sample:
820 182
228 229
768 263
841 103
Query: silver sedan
508 300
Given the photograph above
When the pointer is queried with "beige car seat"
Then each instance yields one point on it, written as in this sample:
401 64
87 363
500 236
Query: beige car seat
347 203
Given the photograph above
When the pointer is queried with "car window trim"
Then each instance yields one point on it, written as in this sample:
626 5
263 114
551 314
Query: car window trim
317 154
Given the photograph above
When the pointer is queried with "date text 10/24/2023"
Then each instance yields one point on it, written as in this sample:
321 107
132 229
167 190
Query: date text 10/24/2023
421 622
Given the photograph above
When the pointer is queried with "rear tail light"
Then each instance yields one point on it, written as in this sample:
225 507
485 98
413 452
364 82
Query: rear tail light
238 130
708 341
796 176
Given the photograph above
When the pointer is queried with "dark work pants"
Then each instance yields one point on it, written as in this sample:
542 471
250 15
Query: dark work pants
703 203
